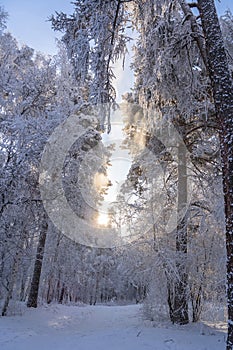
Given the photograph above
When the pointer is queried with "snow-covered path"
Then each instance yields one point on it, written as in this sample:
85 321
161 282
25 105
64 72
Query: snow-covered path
60 327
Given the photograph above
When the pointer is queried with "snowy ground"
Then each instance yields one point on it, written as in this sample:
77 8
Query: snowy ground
58 327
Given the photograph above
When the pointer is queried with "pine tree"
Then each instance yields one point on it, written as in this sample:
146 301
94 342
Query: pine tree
222 87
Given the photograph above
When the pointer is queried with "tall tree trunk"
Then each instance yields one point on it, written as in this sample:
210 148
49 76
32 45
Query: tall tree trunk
14 272
179 312
223 99
13 278
33 294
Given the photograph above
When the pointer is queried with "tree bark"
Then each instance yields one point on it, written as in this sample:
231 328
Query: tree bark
34 290
222 87
13 277
179 312
14 272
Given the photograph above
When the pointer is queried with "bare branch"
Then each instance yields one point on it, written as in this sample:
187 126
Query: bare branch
193 4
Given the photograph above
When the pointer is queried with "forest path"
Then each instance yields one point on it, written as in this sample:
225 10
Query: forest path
58 327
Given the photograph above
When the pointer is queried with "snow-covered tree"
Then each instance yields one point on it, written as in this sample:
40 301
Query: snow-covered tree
95 37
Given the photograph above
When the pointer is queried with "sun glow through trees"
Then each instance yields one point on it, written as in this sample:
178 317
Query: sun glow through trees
103 219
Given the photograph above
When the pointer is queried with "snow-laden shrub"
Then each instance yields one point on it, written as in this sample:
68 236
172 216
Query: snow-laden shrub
155 307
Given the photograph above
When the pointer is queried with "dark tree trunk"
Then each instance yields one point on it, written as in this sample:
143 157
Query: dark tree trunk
62 294
222 86
196 304
33 294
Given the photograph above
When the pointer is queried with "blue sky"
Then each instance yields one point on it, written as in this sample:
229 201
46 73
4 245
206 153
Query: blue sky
28 20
